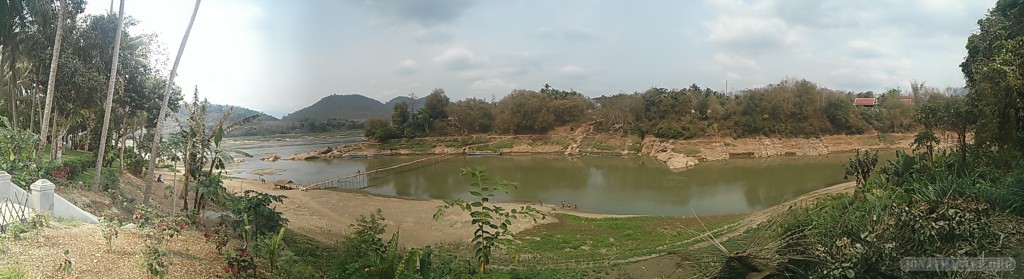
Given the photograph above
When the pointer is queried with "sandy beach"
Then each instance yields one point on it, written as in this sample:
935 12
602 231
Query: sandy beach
327 214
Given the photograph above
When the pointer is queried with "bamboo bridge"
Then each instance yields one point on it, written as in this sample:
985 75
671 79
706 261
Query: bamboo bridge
363 180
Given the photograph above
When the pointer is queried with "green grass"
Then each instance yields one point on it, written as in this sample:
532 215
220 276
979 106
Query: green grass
496 146
416 145
604 147
466 141
689 150
578 238
13 273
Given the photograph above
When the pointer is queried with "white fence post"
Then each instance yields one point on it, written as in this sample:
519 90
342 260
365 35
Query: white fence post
42 196
5 186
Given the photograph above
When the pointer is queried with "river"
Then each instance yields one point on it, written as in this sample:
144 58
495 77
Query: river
613 185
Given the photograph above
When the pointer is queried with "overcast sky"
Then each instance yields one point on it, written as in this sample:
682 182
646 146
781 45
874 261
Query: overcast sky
280 56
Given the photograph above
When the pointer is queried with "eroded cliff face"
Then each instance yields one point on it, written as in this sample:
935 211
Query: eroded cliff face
676 154
687 153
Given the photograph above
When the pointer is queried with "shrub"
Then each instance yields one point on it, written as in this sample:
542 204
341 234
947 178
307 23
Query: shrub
255 206
492 221
671 131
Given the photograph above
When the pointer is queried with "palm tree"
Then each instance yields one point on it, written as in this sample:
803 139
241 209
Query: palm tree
163 109
52 81
110 95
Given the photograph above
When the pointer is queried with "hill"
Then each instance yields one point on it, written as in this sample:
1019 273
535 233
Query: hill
213 113
352 107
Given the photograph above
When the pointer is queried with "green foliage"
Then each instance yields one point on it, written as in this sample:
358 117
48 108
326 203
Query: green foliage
18 155
992 68
472 116
111 223
917 205
253 209
66 266
860 168
155 259
13 273
434 105
380 130
524 112
671 131
271 248
110 181
492 221
79 164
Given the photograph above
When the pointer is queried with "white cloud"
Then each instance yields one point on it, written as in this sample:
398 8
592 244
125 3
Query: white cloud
735 61
573 71
491 84
407 66
458 58
434 36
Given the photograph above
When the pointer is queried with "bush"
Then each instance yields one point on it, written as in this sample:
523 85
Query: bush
254 207
79 164
671 131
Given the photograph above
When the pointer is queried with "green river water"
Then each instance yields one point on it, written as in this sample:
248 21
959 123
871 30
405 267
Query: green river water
614 185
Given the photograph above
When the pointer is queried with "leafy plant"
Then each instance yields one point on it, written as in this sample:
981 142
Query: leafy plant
155 259
492 221
111 224
860 168
255 206
272 249
66 266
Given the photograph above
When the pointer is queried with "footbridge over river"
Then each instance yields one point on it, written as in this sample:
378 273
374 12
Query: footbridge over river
363 180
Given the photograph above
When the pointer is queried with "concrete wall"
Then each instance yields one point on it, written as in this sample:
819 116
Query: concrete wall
43 199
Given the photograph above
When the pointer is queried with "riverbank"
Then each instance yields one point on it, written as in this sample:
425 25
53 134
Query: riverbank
675 154
326 215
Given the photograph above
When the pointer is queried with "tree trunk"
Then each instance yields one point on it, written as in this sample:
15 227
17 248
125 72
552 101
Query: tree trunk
51 83
155 147
110 95
12 83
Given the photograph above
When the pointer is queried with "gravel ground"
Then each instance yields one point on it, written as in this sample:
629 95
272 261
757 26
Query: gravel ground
40 253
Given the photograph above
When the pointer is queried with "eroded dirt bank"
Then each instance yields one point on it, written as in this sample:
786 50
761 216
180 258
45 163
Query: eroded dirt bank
676 154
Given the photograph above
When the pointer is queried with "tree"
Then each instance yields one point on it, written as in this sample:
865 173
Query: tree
524 111
435 103
992 68
472 115
52 80
110 95
400 114
151 165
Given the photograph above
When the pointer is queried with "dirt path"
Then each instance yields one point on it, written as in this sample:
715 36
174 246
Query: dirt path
327 214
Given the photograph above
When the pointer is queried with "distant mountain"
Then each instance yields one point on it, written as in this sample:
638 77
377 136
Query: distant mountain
214 111
213 114
352 107
418 102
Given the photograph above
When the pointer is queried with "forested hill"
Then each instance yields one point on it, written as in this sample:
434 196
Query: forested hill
213 114
353 107
214 111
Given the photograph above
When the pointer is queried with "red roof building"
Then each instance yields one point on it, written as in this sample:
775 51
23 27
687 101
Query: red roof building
865 102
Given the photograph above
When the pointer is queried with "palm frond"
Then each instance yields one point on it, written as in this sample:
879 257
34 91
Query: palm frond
241 122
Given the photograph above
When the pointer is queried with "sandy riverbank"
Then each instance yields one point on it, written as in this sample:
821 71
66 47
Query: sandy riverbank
326 214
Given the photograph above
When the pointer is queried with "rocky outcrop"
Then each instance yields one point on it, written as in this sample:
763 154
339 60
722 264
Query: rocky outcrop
662 150
272 157
768 148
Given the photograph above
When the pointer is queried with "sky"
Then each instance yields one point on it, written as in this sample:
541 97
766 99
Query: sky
280 56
